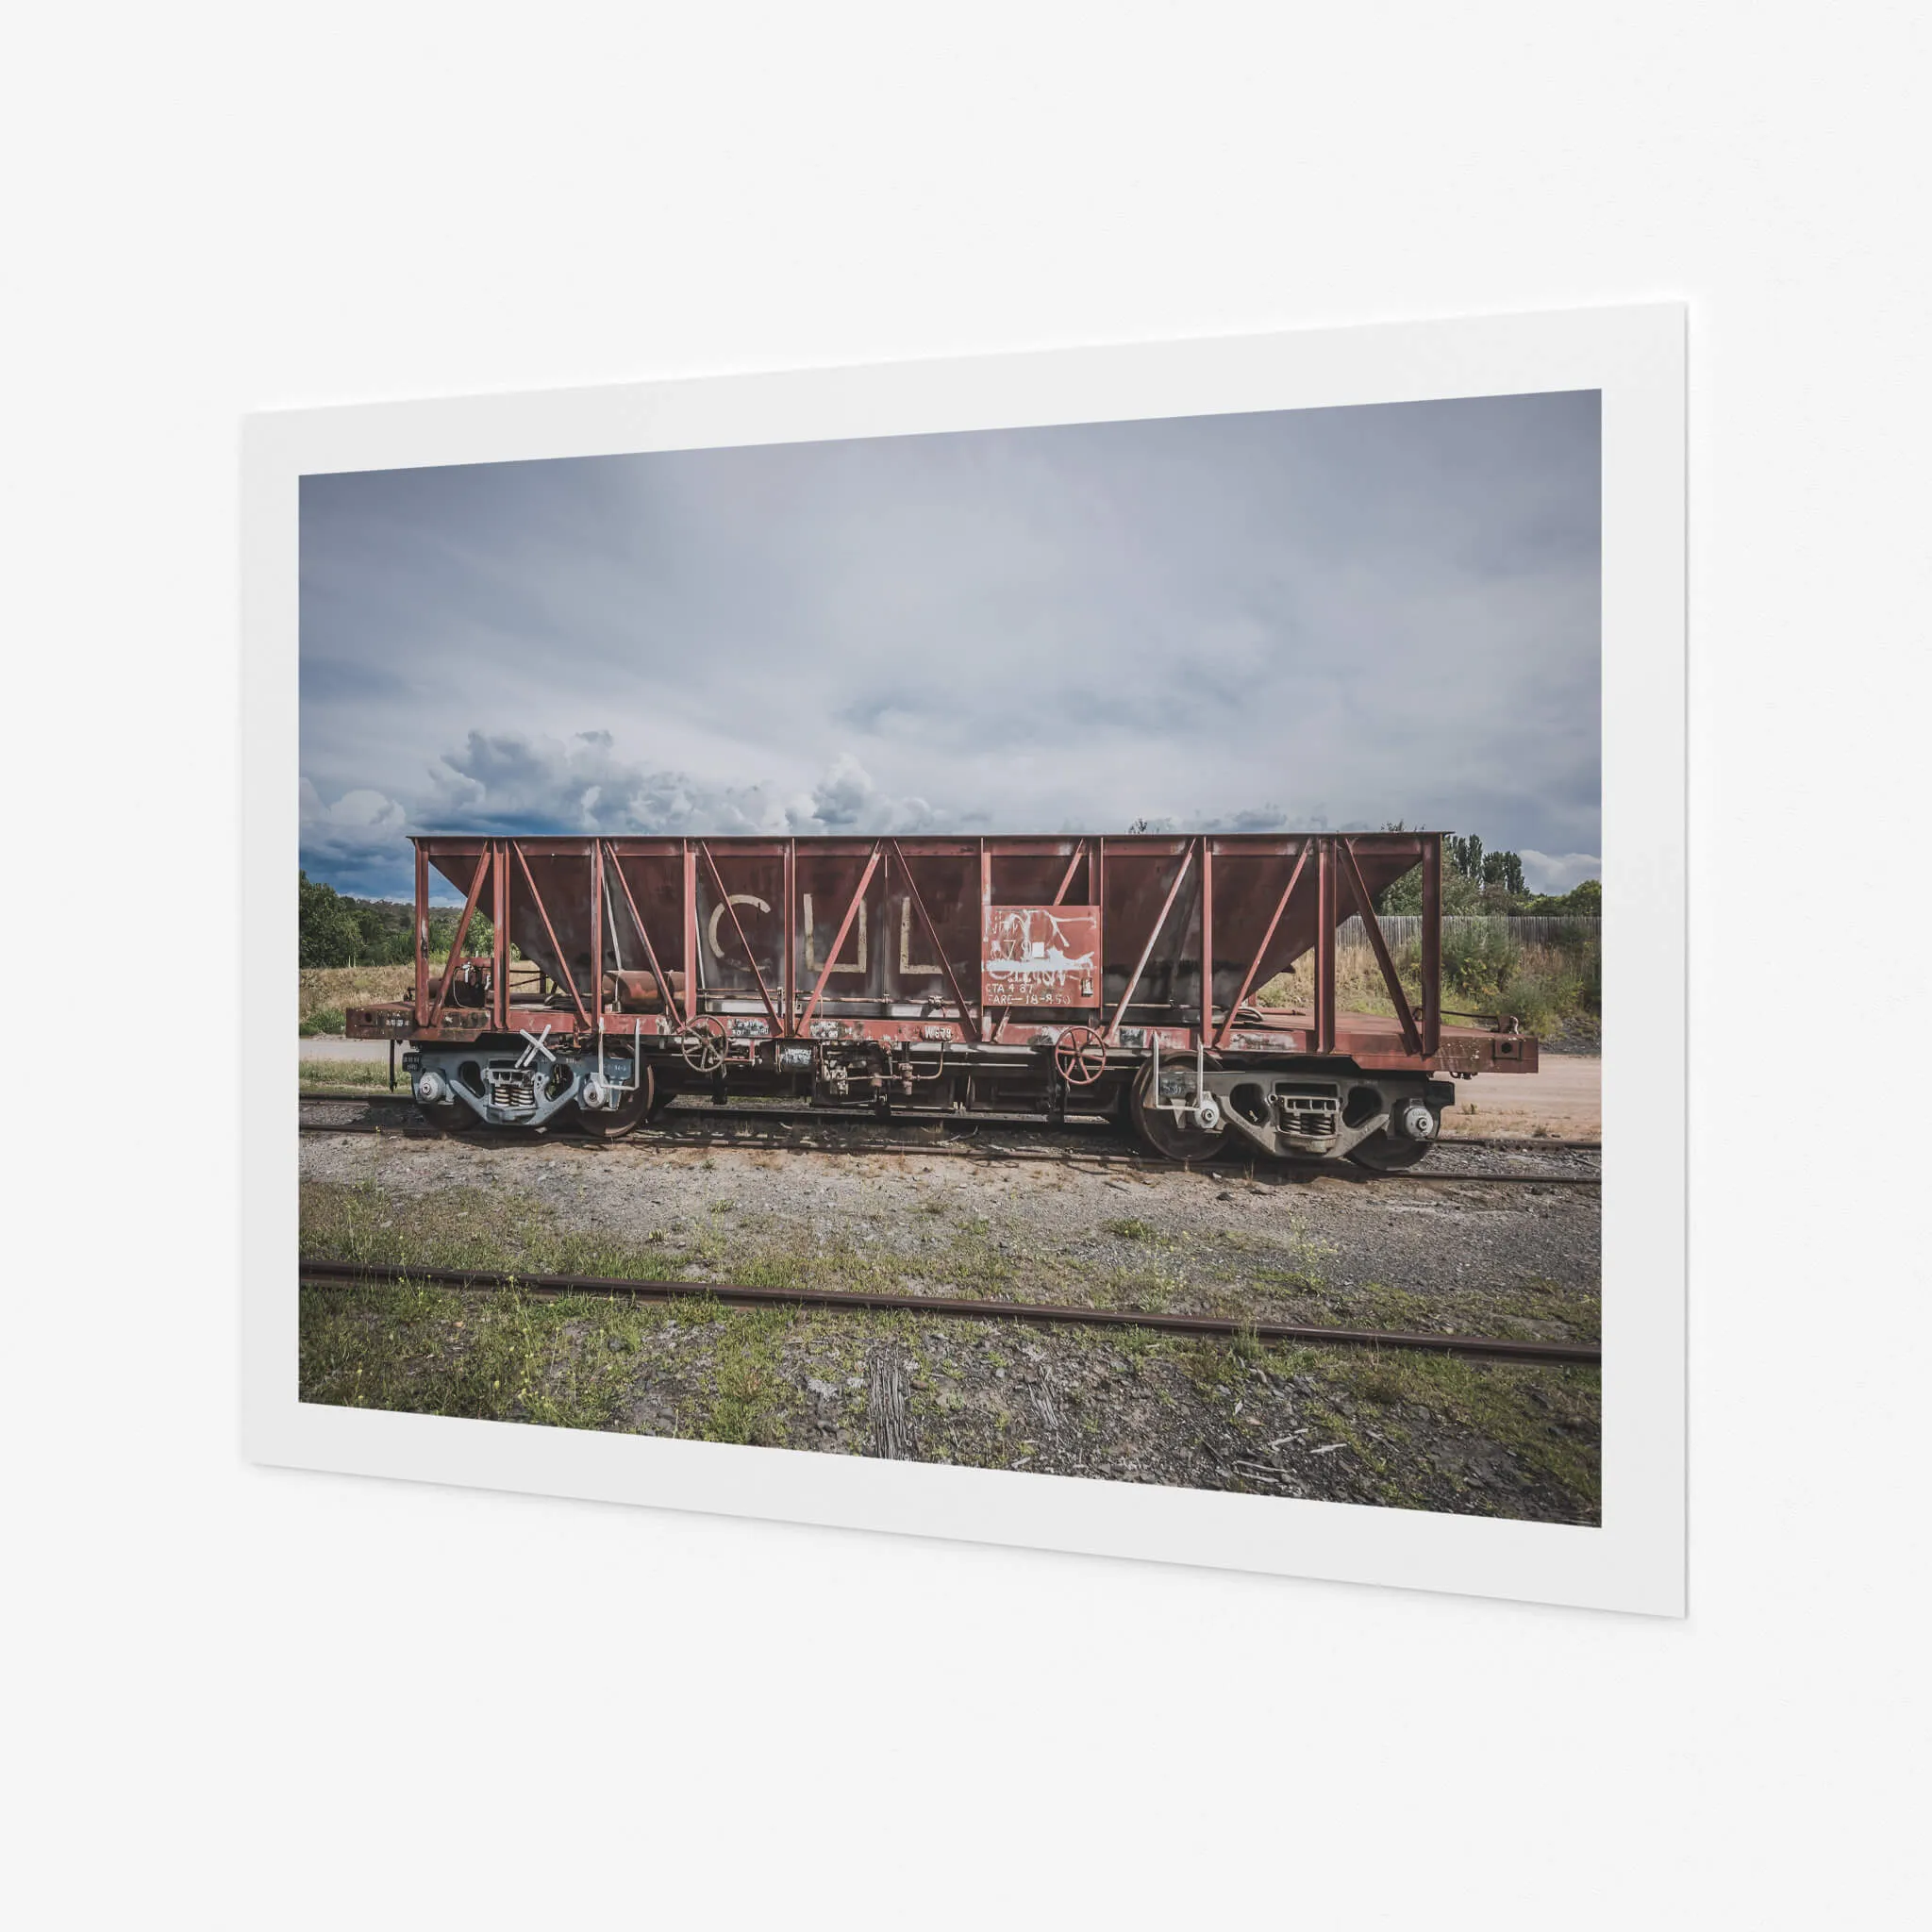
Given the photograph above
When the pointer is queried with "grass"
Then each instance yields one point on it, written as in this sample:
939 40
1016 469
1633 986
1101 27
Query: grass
1536 1305
1545 1416
1295 1280
752 1397
465 1228
970 1267
568 1362
689 1367
326 990
504 1355
373 1074
538 1369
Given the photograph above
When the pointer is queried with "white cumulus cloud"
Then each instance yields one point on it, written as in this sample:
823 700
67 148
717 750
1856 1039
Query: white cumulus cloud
360 829
1545 872
511 783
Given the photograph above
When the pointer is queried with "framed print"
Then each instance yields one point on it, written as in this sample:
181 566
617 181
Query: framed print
1080 949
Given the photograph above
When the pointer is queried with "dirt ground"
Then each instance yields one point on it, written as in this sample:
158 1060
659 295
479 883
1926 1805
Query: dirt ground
1013 1215
1563 1097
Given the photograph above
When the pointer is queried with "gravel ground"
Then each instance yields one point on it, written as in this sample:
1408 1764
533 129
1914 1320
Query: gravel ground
1018 1214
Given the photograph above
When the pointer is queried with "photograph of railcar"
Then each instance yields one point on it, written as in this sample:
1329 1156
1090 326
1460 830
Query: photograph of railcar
1174 1088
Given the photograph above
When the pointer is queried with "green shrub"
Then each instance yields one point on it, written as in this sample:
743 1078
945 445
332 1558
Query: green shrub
1478 957
1540 999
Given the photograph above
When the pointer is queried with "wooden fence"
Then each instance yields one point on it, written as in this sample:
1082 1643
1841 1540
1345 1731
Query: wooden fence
1402 928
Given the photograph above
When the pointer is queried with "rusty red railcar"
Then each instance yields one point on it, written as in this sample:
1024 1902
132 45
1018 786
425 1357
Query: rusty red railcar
1044 975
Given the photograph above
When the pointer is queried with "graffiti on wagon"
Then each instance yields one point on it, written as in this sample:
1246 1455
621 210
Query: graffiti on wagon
1040 956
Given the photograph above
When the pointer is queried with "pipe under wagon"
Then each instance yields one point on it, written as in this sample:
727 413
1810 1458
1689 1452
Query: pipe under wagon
927 975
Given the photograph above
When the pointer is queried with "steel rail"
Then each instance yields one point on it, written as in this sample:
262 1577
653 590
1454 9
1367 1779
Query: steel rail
834 1116
659 1136
736 1294
854 1117
1310 1169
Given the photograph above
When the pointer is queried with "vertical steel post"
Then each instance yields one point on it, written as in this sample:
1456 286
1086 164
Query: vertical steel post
1096 881
691 931
598 934
789 978
985 924
1432 943
421 936
1207 938
499 937
1325 944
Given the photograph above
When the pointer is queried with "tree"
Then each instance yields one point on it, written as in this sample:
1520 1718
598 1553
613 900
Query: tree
1584 901
477 942
340 931
1503 871
1475 881
329 932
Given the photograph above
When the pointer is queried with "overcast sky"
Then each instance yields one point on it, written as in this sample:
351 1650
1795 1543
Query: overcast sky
1310 619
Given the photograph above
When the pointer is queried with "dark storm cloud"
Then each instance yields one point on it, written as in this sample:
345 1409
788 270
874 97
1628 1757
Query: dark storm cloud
1337 616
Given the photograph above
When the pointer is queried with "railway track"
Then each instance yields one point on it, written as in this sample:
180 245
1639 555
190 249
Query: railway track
735 1294
1098 1125
672 1132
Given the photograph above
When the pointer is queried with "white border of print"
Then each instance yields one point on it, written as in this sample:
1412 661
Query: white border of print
1635 356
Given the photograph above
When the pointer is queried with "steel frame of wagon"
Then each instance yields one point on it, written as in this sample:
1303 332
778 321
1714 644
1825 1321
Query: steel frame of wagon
1333 858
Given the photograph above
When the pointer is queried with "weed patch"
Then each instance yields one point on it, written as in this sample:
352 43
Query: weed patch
372 1074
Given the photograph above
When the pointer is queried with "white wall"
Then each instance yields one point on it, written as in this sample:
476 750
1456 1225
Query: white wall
255 1698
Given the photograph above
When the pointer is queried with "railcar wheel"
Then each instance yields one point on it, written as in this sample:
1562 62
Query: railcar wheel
1385 1153
1161 1133
614 1123
448 1118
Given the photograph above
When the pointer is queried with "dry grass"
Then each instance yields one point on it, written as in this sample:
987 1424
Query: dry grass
1359 986
329 988
325 990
